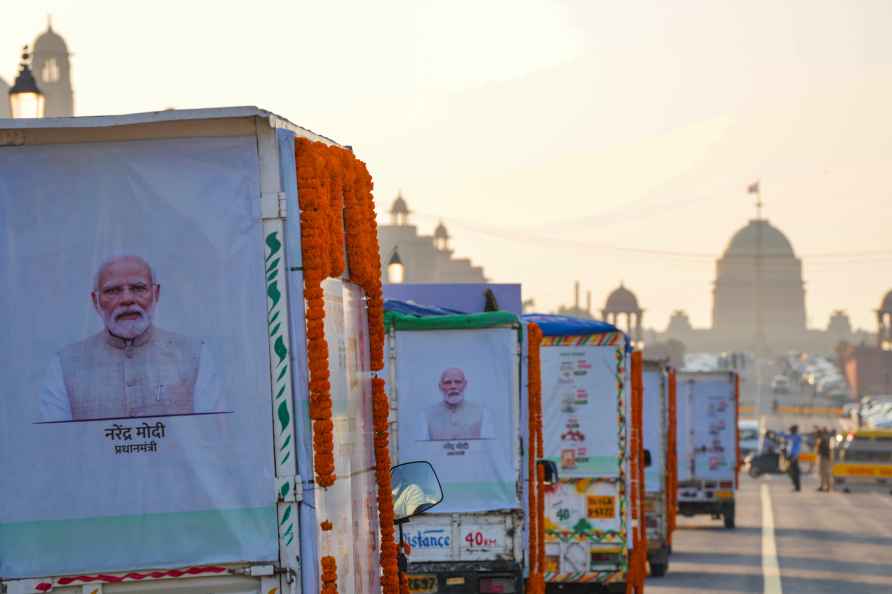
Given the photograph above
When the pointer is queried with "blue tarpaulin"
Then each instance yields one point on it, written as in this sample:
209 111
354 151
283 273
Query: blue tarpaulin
410 308
555 325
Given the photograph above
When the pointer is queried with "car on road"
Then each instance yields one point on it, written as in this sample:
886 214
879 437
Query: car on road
748 436
780 384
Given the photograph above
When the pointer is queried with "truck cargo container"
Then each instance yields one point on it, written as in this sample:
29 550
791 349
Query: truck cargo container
592 515
656 475
163 424
455 381
708 453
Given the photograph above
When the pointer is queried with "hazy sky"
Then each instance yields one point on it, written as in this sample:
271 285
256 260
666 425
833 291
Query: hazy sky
558 140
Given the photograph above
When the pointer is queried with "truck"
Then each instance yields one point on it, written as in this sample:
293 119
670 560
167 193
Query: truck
455 382
708 445
590 403
658 475
194 362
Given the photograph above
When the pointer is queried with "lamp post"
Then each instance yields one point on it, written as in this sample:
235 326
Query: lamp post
395 269
25 98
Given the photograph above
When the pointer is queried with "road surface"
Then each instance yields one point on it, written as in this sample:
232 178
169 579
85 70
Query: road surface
833 543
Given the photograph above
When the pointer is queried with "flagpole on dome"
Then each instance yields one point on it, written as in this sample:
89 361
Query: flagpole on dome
755 188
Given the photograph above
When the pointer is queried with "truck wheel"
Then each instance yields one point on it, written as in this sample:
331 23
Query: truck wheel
659 569
753 471
728 514
729 517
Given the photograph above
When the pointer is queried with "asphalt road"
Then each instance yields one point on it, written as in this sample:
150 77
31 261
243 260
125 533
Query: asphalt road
836 542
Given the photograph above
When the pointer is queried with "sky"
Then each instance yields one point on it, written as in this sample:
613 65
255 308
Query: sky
558 140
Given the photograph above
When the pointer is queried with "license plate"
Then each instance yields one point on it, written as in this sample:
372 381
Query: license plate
601 507
422 583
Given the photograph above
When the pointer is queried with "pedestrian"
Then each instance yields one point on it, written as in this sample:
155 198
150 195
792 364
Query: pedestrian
825 461
795 444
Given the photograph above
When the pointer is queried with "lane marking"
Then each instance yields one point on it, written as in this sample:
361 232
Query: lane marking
770 566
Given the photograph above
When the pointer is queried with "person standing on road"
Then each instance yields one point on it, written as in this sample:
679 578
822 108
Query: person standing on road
825 462
795 443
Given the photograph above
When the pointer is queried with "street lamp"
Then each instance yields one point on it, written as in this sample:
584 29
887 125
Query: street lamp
25 98
395 269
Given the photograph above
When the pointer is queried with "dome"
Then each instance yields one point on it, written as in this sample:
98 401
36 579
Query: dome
745 241
399 206
50 42
440 232
887 302
621 300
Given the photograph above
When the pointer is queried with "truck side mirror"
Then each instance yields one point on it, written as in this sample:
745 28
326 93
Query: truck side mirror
647 459
550 471
416 489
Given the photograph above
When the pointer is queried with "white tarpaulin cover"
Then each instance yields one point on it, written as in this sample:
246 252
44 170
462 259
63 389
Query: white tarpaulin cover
155 449
350 502
579 409
710 410
466 431
654 426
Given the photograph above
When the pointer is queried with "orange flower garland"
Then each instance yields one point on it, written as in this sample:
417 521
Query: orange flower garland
536 581
329 575
316 245
335 191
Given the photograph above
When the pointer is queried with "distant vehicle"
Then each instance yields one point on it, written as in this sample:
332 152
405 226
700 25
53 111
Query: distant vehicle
760 463
864 461
708 459
748 436
780 384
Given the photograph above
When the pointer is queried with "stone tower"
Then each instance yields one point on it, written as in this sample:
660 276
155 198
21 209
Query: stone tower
52 69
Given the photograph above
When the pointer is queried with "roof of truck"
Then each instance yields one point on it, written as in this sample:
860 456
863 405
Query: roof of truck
408 315
555 325
149 117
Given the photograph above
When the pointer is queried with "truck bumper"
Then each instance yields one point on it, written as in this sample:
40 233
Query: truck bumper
464 576
705 507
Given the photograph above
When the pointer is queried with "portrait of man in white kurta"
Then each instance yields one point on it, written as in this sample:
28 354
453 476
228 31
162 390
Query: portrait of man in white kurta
130 368
454 416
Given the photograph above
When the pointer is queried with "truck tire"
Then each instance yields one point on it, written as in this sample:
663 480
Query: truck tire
659 569
728 516
753 471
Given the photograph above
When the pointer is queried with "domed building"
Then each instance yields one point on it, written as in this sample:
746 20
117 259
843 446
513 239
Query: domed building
623 303
52 69
759 296
759 301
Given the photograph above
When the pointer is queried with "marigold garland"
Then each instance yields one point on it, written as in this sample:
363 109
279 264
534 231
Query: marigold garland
536 580
335 191
638 565
540 449
329 575
671 459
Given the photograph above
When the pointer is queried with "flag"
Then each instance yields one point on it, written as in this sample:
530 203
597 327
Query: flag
753 188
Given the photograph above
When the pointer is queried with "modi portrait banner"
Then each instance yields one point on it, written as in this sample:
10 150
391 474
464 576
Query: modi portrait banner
457 393
136 386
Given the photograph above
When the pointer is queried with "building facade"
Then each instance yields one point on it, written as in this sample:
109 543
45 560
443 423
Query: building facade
422 258
868 367
758 296
51 65
758 305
